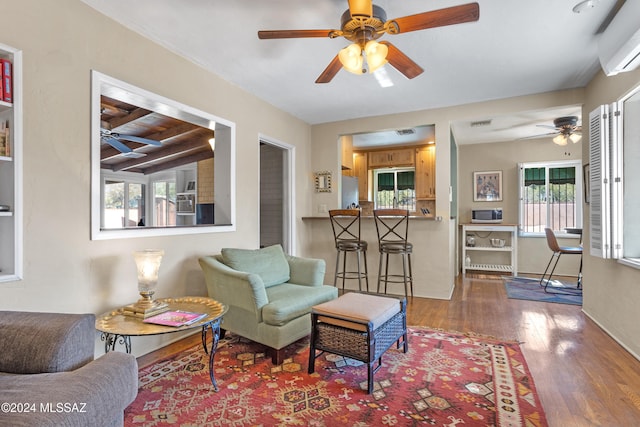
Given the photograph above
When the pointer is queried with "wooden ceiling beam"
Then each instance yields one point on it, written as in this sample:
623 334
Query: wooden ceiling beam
133 115
194 156
170 151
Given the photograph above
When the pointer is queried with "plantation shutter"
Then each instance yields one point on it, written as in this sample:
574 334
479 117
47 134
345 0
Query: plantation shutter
599 214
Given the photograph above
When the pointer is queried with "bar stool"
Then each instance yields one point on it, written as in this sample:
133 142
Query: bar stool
346 232
392 226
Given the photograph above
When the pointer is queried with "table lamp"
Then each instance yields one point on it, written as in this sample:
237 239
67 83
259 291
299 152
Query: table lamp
148 264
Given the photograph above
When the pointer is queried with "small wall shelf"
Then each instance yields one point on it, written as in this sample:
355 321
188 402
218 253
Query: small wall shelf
481 232
11 171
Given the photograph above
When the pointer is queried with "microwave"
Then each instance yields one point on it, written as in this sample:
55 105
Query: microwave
490 216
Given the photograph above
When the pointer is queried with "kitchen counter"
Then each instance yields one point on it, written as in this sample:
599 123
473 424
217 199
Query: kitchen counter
433 266
412 217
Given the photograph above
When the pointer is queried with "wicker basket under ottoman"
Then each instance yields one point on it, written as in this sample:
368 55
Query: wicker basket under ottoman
359 326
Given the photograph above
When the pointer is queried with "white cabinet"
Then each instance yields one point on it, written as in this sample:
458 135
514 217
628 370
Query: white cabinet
483 256
11 170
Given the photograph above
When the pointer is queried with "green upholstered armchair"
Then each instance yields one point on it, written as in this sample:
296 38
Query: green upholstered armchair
269 294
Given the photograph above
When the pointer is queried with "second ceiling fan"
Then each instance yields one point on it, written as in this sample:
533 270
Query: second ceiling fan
363 23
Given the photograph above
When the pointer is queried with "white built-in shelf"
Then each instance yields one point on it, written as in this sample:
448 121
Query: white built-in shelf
483 233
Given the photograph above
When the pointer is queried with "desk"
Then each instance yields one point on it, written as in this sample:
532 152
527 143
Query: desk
118 328
573 230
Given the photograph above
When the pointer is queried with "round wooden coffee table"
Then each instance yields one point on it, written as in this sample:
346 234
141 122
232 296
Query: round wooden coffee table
118 328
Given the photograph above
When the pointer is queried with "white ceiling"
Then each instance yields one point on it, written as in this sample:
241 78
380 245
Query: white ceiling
518 47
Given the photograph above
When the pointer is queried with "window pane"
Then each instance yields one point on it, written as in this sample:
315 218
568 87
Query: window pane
534 203
164 203
114 204
136 205
562 203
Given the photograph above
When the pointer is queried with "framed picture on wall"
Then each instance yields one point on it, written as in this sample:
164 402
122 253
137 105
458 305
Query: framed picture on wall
487 186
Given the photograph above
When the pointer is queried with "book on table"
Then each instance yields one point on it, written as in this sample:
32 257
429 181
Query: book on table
175 318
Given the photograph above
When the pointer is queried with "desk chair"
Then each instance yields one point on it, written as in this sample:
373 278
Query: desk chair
557 251
345 224
392 226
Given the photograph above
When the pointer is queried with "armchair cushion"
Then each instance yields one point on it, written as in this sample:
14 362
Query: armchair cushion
269 263
290 301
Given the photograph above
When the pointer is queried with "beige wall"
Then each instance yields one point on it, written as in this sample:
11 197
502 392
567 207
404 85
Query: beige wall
612 290
64 270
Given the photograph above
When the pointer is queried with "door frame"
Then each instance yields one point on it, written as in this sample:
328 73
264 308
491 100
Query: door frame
288 209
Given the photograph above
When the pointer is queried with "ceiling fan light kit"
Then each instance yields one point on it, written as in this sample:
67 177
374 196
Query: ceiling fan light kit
363 23
353 61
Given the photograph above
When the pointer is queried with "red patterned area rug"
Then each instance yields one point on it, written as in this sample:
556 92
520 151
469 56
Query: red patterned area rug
446 379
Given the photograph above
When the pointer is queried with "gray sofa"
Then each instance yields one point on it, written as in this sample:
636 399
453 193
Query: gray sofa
48 376
269 294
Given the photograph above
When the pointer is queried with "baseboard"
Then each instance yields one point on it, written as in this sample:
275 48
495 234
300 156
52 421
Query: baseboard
601 326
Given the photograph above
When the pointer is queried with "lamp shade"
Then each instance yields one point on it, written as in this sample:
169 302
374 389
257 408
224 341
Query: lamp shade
148 264
574 137
560 139
376 55
351 58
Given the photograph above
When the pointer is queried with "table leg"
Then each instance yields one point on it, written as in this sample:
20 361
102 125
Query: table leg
110 341
215 337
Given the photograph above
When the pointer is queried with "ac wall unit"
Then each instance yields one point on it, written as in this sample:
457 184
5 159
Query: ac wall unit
619 45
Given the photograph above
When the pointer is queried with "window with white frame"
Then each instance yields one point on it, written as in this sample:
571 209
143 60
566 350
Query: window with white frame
395 189
124 203
614 156
164 203
550 196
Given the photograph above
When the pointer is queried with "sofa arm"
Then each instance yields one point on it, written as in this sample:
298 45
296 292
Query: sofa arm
95 394
233 287
306 271
34 343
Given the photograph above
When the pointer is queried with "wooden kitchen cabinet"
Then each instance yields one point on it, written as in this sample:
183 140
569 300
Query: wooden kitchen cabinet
347 153
391 158
361 171
426 172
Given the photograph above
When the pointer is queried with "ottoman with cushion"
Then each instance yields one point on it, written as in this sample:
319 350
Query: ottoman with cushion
359 326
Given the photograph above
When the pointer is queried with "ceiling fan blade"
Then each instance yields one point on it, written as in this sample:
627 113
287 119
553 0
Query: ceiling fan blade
292 34
116 144
139 139
540 136
402 62
438 18
330 72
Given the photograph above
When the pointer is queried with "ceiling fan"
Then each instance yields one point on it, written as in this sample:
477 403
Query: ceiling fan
363 23
114 139
565 128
